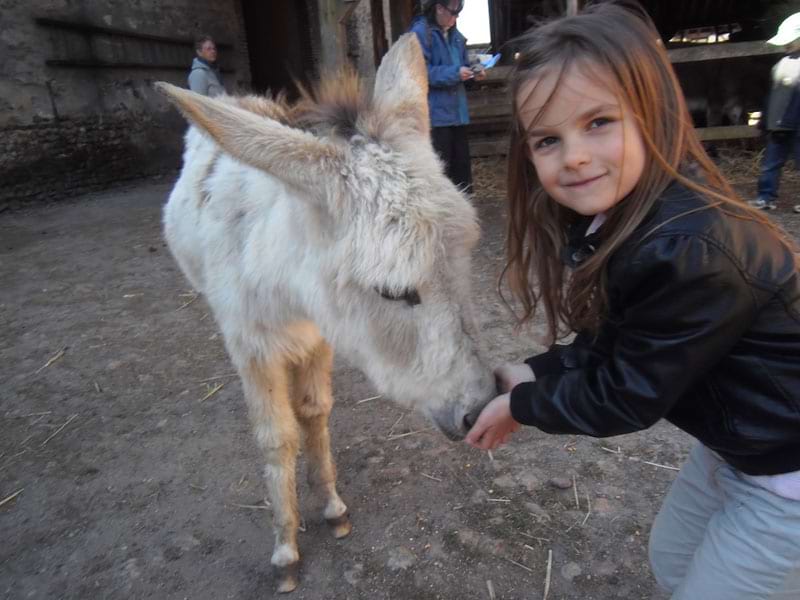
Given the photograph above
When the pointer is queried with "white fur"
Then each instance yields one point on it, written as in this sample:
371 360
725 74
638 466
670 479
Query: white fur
292 265
291 236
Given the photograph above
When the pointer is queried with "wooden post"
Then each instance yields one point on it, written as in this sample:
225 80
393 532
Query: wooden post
345 12
329 34
380 43
333 16
401 13
572 7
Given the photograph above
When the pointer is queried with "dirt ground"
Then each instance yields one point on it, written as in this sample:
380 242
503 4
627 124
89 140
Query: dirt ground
126 472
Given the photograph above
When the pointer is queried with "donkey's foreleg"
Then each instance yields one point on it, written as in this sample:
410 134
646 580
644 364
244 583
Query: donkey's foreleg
277 434
313 400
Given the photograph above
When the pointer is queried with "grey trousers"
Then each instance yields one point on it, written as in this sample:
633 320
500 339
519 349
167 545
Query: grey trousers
719 536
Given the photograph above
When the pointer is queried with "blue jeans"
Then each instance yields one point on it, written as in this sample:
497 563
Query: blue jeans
779 146
719 536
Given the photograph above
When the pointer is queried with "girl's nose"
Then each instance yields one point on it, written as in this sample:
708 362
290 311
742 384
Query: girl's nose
575 155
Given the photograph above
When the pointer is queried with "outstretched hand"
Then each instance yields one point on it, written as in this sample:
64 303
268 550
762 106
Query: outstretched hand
494 425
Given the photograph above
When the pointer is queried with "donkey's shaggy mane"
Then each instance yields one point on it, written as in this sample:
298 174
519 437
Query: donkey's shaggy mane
334 106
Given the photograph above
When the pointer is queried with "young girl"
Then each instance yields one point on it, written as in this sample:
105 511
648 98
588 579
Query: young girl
686 302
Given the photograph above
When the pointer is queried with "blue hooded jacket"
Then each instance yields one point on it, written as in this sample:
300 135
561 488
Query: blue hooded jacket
444 57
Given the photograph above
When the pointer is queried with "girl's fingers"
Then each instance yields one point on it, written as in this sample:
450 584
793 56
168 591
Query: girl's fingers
475 432
479 439
489 440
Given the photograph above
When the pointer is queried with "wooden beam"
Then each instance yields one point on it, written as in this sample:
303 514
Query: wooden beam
496 146
701 52
101 64
112 31
732 132
697 53
483 148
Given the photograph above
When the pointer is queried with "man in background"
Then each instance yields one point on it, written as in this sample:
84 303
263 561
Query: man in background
782 119
205 77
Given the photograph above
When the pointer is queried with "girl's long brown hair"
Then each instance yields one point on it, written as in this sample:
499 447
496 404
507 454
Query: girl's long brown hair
619 42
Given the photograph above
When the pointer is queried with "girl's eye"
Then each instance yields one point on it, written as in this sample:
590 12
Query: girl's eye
599 122
545 142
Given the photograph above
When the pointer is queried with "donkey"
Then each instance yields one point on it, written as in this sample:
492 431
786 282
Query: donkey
329 223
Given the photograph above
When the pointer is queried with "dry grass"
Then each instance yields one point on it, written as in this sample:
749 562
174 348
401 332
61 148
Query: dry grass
489 176
740 167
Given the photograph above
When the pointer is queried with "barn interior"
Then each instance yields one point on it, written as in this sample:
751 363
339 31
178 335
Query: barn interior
716 46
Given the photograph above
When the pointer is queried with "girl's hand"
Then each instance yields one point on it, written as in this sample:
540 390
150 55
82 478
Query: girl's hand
494 425
465 73
509 376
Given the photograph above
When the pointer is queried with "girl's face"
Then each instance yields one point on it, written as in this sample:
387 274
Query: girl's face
586 147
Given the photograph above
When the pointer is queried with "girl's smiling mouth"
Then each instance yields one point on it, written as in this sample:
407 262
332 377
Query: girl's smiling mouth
583 182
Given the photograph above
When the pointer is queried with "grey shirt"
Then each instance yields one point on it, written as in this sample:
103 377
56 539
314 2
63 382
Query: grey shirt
205 79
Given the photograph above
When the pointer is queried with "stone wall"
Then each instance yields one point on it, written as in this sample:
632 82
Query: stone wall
77 108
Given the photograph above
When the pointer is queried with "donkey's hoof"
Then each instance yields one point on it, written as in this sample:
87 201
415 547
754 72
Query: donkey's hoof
340 526
287 577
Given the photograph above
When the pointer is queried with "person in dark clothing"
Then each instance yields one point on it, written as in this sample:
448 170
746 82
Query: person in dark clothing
445 50
684 299
782 119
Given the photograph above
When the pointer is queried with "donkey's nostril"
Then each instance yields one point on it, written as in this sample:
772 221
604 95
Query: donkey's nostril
469 420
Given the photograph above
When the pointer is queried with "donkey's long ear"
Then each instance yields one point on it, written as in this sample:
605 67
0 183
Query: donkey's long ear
292 155
401 84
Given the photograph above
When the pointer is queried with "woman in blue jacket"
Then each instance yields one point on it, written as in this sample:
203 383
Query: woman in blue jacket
445 50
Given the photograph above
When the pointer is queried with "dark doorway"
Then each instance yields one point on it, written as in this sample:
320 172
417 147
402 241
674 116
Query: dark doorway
280 43
401 14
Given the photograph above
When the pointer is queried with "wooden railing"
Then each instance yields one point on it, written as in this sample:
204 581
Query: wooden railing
490 106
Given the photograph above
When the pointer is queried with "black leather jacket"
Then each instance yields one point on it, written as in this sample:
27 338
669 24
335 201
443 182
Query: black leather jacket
703 330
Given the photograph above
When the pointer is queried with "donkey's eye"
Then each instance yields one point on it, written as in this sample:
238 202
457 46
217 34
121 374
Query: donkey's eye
410 297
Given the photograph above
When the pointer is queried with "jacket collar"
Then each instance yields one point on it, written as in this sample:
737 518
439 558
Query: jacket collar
202 63
580 246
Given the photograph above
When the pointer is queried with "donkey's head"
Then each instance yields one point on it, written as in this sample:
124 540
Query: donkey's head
391 236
